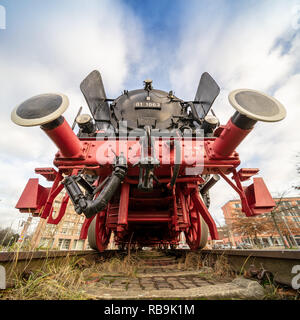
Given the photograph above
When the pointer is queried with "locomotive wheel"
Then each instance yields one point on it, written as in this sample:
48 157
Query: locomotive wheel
197 235
204 234
98 234
194 233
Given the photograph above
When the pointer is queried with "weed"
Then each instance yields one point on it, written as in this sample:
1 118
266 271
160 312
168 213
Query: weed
222 268
52 282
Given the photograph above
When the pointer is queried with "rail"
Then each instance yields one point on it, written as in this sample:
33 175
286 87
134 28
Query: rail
277 263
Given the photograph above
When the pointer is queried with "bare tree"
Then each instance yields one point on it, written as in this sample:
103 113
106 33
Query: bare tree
284 228
249 226
8 237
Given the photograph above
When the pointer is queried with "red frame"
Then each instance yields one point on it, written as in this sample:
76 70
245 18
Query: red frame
255 199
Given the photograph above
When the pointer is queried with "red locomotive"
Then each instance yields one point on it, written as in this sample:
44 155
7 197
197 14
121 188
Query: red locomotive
142 165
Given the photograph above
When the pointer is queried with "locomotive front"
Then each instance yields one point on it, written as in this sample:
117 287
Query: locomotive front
142 165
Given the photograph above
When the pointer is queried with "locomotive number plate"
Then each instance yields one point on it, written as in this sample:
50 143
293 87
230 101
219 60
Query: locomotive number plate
139 105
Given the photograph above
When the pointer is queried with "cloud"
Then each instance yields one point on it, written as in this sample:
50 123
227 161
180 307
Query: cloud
50 50
246 45
241 44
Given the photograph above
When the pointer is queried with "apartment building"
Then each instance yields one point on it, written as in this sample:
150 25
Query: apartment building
286 216
65 235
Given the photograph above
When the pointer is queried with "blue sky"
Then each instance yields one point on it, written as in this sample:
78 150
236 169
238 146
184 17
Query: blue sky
51 46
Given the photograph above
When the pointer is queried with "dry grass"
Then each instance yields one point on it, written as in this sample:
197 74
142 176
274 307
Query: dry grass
191 260
64 279
218 268
55 281
222 268
123 265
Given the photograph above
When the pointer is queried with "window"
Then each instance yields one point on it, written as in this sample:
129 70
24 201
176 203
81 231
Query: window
50 229
279 241
44 242
60 241
66 225
287 204
88 246
74 244
80 244
65 244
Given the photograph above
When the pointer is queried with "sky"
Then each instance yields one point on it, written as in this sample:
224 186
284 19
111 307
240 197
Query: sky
50 46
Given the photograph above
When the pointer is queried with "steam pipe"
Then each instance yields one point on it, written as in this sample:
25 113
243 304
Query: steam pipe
209 184
45 110
92 207
231 136
101 202
251 106
63 136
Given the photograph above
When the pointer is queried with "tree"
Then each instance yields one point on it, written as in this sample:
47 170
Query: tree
285 227
274 223
249 226
8 237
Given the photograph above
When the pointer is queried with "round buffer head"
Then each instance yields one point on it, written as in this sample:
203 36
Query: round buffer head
40 109
83 119
257 105
212 120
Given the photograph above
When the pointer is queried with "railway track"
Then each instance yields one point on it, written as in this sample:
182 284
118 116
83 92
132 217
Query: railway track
277 264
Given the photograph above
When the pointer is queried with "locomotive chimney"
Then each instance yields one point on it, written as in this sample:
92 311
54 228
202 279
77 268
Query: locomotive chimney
251 106
46 111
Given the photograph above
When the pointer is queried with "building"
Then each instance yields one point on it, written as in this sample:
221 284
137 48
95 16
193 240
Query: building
285 217
63 236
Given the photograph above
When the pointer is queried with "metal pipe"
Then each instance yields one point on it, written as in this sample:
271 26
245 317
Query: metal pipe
229 139
63 136
210 183
92 207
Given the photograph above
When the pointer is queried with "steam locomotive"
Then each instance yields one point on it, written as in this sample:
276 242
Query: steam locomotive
141 165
